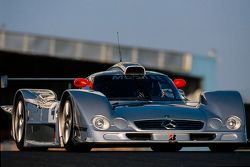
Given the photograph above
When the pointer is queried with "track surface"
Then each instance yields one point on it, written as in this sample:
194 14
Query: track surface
125 158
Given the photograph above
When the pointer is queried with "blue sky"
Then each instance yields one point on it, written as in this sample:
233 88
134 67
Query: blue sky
184 25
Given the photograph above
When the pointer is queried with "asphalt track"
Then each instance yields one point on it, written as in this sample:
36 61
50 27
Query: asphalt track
127 157
123 158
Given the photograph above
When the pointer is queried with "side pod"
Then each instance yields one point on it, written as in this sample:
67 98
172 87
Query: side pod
36 109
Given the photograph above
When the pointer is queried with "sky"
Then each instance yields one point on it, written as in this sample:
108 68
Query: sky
194 26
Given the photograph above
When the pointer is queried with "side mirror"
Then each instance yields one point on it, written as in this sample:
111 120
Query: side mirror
180 83
83 82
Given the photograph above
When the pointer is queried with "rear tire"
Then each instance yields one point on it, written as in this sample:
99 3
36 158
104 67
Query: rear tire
66 129
19 123
19 126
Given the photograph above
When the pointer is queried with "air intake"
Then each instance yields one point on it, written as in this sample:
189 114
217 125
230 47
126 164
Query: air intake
135 70
128 68
159 124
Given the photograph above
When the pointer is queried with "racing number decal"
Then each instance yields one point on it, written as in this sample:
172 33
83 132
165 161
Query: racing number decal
52 112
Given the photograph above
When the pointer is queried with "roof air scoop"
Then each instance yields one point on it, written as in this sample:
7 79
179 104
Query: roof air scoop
135 70
128 68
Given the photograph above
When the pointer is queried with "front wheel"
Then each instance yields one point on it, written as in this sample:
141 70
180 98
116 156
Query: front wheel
66 128
223 148
168 148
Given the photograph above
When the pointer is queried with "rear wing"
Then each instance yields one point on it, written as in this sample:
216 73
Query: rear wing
5 79
7 108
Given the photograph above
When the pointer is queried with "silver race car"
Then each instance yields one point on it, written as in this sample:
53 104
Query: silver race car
127 106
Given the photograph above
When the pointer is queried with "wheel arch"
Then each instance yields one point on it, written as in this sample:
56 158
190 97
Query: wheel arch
86 104
224 104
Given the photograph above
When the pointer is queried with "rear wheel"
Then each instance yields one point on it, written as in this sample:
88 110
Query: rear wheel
19 123
19 126
168 148
66 128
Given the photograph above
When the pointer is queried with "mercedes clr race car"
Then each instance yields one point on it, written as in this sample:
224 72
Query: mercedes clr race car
127 106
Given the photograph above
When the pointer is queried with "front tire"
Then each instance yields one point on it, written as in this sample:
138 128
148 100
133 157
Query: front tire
167 148
66 128
223 148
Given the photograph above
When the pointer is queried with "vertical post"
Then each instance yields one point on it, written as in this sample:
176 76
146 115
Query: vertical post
25 43
161 59
4 81
134 55
78 51
109 56
187 62
52 47
69 85
103 53
2 39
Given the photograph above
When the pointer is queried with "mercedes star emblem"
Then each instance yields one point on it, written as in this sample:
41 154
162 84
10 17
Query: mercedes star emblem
168 124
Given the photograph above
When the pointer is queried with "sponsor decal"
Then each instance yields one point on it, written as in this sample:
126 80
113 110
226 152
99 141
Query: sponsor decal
171 137
121 77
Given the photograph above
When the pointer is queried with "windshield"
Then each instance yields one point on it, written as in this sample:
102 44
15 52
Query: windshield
135 87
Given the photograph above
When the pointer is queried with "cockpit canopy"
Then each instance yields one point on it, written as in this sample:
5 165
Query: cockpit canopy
136 87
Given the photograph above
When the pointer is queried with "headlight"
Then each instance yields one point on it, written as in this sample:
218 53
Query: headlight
233 123
101 123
